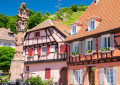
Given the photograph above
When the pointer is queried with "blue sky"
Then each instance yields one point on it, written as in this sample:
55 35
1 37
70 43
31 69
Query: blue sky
10 7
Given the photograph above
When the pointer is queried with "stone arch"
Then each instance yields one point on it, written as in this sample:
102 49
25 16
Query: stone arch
63 76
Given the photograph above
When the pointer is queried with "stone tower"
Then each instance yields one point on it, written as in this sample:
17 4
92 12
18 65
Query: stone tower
17 64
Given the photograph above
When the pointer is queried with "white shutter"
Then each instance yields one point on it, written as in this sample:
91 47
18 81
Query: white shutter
101 76
115 80
71 76
111 41
71 46
99 43
80 47
83 46
81 76
94 45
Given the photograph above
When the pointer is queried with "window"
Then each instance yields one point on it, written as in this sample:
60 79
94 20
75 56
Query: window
27 68
109 76
91 25
6 45
89 45
11 35
37 34
47 73
77 76
75 47
73 30
106 41
44 50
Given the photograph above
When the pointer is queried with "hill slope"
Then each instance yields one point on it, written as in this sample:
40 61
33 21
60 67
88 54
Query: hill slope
66 16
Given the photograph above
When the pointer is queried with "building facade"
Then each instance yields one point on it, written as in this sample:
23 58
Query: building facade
45 52
7 38
94 45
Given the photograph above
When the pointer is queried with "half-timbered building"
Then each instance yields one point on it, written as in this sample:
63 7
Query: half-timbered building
94 45
45 52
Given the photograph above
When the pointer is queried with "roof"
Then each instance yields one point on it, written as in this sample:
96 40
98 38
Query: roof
48 23
106 10
4 34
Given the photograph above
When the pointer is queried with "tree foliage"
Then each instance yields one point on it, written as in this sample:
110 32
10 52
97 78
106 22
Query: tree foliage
74 7
6 55
35 20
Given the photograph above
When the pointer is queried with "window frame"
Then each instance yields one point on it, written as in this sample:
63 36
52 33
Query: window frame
74 46
109 76
77 81
42 50
75 29
102 41
91 46
7 44
91 24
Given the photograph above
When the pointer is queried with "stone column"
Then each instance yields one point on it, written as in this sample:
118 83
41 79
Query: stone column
17 64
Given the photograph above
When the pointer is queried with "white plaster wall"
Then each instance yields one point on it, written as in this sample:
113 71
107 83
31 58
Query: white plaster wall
39 69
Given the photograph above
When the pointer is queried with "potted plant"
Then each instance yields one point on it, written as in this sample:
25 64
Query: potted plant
89 51
86 69
93 68
105 49
75 53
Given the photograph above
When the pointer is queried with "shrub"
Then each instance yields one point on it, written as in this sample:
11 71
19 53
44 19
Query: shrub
36 81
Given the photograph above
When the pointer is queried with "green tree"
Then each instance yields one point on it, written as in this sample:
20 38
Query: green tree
46 15
6 55
35 19
82 5
31 12
74 7
3 20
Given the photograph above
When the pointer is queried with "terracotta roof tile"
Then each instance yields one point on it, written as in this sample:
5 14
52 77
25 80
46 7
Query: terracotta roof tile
107 10
48 23
4 34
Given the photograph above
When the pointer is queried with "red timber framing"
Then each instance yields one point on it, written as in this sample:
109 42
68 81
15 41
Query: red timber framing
97 57
49 31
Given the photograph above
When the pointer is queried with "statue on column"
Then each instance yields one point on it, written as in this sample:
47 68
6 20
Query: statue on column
17 64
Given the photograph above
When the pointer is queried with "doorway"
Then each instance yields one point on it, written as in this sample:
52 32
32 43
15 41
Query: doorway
63 76
91 76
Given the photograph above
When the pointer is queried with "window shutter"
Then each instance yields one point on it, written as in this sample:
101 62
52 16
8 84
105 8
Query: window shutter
94 45
99 44
81 76
83 46
71 76
71 46
101 76
112 42
39 51
38 34
64 48
115 80
48 50
30 51
47 73
80 47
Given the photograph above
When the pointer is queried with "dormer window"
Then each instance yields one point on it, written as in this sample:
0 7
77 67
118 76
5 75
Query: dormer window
91 25
11 35
73 30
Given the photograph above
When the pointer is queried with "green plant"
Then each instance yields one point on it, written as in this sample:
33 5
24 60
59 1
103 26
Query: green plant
86 69
75 53
89 51
36 81
93 68
49 82
105 49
